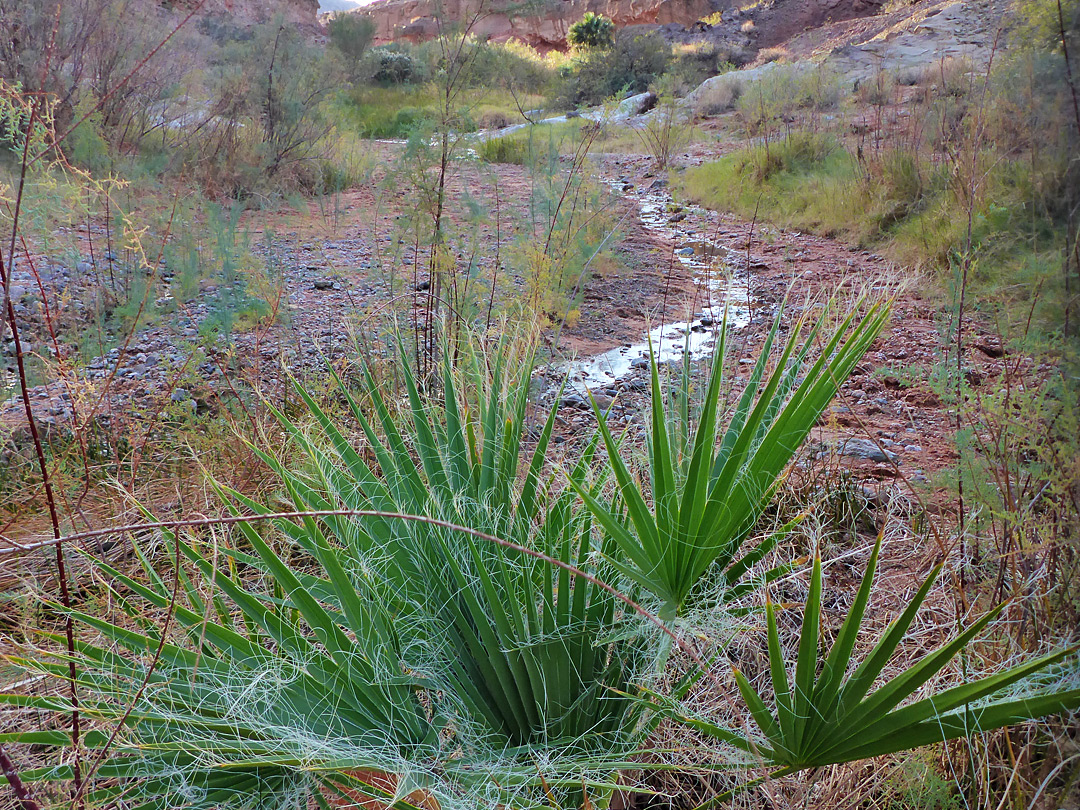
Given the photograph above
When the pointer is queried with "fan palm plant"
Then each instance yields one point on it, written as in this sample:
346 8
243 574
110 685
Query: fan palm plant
354 644
708 491
836 710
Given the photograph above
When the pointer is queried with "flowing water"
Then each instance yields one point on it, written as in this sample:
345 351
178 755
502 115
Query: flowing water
719 292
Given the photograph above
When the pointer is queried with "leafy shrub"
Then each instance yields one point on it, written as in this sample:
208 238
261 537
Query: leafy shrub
387 112
86 145
635 62
779 91
388 66
510 65
351 35
690 65
591 31
434 624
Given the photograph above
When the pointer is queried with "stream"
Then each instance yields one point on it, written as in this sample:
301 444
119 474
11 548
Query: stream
712 266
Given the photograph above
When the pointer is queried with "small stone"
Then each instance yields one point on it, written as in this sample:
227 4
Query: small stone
864 449
603 401
323 284
573 400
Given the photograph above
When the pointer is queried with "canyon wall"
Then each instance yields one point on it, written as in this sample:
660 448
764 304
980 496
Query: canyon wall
542 25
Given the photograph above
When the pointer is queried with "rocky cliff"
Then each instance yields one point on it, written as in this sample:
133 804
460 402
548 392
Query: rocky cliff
542 25
304 13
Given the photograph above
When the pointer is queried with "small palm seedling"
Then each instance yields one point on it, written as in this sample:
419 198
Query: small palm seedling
708 494
830 712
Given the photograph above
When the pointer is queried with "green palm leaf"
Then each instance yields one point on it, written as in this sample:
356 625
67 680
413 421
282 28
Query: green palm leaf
706 498
827 716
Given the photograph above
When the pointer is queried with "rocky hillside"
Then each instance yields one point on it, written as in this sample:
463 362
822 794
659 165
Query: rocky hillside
243 13
542 25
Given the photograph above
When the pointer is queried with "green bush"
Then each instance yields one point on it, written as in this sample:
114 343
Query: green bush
351 35
86 146
387 112
389 66
635 62
690 65
433 625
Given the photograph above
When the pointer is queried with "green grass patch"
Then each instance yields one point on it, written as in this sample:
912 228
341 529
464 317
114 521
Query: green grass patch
388 112
505 149
910 208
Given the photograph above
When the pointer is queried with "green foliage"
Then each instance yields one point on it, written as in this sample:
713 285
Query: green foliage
780 91
392 66
667 129
375 637
511 66
431 624
225 263
591 31
351 35
555 253
595 75
919 785
388 112
692 64
16 111
267 130
1039 25
827 713
85 146
705 500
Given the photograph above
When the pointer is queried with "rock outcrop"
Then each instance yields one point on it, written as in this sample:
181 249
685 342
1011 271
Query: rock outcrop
243 13
542 25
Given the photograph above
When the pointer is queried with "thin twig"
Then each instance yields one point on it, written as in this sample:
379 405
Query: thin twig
21 792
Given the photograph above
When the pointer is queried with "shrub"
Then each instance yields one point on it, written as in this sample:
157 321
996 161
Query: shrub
780 91
690 65
389 66
635 62
494 119
666 130
878 90
351 35
591 31
86 146
718 95
512 65
471 653
775 54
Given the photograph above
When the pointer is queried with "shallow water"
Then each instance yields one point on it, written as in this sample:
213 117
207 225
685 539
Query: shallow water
713 267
